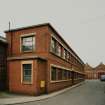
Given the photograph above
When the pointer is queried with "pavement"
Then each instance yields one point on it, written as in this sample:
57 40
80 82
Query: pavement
16 99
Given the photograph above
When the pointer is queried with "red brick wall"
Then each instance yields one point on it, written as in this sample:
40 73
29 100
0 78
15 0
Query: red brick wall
53 59
41 76
94 73
15 84
41 38
42 69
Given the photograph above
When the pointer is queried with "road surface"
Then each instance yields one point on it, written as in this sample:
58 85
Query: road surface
90 93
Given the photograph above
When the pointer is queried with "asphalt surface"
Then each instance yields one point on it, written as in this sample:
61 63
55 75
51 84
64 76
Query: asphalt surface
90 93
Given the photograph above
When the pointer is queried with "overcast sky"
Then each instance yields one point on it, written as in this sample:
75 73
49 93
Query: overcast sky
80 22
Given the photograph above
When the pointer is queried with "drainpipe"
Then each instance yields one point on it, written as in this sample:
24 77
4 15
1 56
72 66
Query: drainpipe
11 38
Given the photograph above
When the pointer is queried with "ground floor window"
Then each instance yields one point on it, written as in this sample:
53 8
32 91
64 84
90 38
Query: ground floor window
53 74
60 74
78 76
27 69
64 74
27 72
70 75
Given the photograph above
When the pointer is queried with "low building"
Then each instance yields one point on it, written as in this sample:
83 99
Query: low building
94 72
99 70
40 61
3 62
88 71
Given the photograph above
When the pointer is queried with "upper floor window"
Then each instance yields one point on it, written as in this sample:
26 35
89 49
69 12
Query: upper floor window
68 56
64 54
59 50
53 45
28 43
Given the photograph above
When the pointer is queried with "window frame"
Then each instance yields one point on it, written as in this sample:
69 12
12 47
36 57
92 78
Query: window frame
68 56
64 54
61 68
22 74
54 68
53 50
63 46
59 50
25 36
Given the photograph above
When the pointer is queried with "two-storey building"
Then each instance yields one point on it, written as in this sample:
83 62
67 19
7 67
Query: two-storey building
3 63
40 61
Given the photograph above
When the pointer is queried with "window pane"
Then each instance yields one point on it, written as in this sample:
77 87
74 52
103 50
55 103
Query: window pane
27 66
27 78
53 45
27 72
59 50
59 73
64 54
27 69
28 43
64 74
70 75
68 56
53 73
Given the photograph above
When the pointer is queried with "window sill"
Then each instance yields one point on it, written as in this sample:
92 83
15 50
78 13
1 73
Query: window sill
78 79
27 83
58 56
68 61
60 81
27 51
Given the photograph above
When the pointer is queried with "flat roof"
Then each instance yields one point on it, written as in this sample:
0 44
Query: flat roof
49 25
27 27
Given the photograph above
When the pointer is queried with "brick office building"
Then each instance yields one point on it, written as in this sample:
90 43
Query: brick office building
94 72
40 61
3 59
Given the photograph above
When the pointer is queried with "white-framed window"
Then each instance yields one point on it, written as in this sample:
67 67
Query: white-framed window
64 54
59 50
68 56
59 74
27 43
53 45
26 72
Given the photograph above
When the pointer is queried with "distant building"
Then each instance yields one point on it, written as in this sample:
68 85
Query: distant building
94 73
89 73
40 61
3 62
